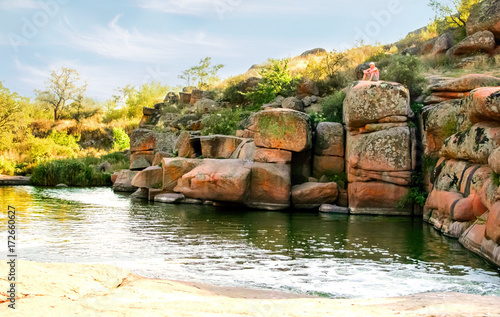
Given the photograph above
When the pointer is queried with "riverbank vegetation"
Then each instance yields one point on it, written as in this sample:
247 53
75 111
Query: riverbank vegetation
83 171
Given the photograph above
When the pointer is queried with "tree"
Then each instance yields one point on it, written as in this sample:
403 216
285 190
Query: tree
188 76
9 108
146 95
62 87
83 107
328 65
276 80
204 75
454 13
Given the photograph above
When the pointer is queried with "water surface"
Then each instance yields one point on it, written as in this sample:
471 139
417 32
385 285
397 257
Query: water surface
330 255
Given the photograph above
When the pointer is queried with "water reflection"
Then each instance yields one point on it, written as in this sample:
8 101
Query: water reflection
332 255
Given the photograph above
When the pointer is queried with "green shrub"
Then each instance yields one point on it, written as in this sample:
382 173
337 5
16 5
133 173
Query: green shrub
416 107
414 196
332 107
334 82
223 122
121 141
39 149
407 70
429 163
72 172
495 178
377 56
118 160
276 80
66 140
339 178
459 34
317 117
233 94
7 167
417 194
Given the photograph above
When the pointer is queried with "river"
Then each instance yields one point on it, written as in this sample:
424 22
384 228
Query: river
329 255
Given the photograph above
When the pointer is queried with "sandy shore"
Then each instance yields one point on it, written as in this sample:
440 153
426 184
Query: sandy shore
103 290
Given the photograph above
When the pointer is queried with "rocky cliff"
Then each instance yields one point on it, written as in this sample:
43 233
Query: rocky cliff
464 135
281 159
379 147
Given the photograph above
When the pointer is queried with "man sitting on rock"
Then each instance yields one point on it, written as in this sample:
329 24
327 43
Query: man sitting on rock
372 73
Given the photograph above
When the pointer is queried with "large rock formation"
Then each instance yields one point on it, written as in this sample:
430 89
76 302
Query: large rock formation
442 44
139 160
123 182
187 146
484 15
475 144
329 139
483 41
438 123
483 104
145 143
312 195
151 177
385 151
218 180
219 146
175 168
307 87
378 198
293 103
270 186
328 149
372 102
150 117
462 202
283 129
465 83
264 155
379 154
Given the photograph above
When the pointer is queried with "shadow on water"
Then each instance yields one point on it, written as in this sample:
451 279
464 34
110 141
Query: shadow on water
310 235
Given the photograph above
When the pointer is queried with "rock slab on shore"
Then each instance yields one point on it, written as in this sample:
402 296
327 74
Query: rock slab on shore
58 289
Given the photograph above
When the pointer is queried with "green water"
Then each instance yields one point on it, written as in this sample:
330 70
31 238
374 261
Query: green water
330 255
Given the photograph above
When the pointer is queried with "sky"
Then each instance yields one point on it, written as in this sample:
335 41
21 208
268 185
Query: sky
116 43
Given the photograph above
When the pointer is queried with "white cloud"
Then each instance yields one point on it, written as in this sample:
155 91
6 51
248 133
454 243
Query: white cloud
17 4
102 79
31 76
116 42
218 8
185 7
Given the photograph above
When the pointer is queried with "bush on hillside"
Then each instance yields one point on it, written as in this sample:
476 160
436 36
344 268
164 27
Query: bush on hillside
316 118
66 140
276 80
332 106
232 94
121 141
407 70
37 149
223 122
7 167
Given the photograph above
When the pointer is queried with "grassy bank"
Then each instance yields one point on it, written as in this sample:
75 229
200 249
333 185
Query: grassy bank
83 171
